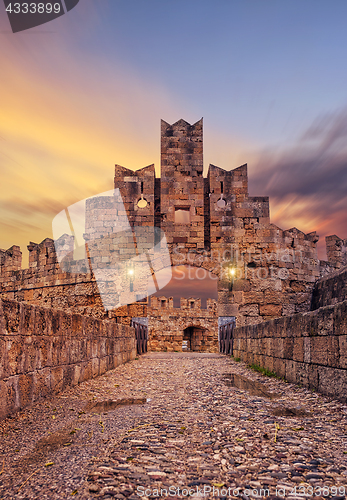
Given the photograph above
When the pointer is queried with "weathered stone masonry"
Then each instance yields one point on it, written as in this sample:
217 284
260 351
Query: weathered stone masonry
212 222
309 348
209 222
45 284
42 351
169 325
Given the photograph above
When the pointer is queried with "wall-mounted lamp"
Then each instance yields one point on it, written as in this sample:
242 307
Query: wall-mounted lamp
131 275
231 276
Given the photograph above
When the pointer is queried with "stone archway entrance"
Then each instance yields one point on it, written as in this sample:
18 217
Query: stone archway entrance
197 338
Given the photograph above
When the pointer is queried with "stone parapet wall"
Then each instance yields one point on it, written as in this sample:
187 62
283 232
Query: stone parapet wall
42 351
307 349
330 290
45 284
276 271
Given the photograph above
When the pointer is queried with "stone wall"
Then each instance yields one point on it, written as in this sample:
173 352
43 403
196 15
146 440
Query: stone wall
330 290
336 251
43 351
212 222
216 220
308 349
168 326
45 284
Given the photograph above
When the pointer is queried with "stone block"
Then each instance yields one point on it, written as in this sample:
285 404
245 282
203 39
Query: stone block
42 383
278 347
333 382
25 389
279 367
103 365
312 376
227 309
27 319
342 341
68 376
274 310
324 351
249 310
273 297
86 370
15 355
57 379
11 317
290 370
5 407
30 354
302 374
102 348
268 363
297 349
251 297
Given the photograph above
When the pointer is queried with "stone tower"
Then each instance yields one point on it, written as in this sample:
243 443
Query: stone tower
182 183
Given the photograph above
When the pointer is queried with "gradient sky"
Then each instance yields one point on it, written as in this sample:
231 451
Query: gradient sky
88 90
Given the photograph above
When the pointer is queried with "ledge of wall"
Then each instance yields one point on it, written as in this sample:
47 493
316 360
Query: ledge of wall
42 351
330 290
307 348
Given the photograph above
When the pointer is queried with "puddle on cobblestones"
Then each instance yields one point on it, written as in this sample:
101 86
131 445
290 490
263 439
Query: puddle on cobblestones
109 405
252 387
289 412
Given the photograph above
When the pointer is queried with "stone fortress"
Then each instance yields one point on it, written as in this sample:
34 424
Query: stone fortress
290 308
211 223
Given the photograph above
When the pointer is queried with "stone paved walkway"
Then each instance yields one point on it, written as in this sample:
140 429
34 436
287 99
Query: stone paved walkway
195 434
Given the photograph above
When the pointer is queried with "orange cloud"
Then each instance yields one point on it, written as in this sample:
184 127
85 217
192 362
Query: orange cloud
65 122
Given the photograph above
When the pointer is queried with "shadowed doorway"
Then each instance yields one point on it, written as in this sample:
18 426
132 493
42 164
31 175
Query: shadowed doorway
195 337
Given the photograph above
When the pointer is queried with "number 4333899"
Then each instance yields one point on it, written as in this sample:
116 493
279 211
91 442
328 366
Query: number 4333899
33 8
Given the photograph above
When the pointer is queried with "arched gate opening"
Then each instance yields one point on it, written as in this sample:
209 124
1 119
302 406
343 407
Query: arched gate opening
196 338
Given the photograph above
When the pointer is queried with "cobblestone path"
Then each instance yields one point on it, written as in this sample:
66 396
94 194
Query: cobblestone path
199 431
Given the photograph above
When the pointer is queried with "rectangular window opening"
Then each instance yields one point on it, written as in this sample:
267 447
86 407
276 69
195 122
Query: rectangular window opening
182 215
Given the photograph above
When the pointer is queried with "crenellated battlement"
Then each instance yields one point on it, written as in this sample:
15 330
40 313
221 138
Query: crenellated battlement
170 326
10 260
209 222
336 251
191 305
276 268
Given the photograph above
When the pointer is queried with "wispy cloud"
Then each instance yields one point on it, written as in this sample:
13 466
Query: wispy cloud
307 184
65 122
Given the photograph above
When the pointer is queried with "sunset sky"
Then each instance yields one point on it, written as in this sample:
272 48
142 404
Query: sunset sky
88 90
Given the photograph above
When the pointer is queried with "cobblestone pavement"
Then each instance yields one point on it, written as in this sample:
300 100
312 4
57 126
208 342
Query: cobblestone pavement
177 424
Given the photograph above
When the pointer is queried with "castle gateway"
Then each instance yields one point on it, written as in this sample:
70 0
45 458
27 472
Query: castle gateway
214 224
261 271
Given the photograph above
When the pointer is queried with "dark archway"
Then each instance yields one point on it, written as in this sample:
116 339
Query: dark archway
196 338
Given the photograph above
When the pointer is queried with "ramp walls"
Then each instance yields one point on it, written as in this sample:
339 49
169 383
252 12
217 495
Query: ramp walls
42 351
307 348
